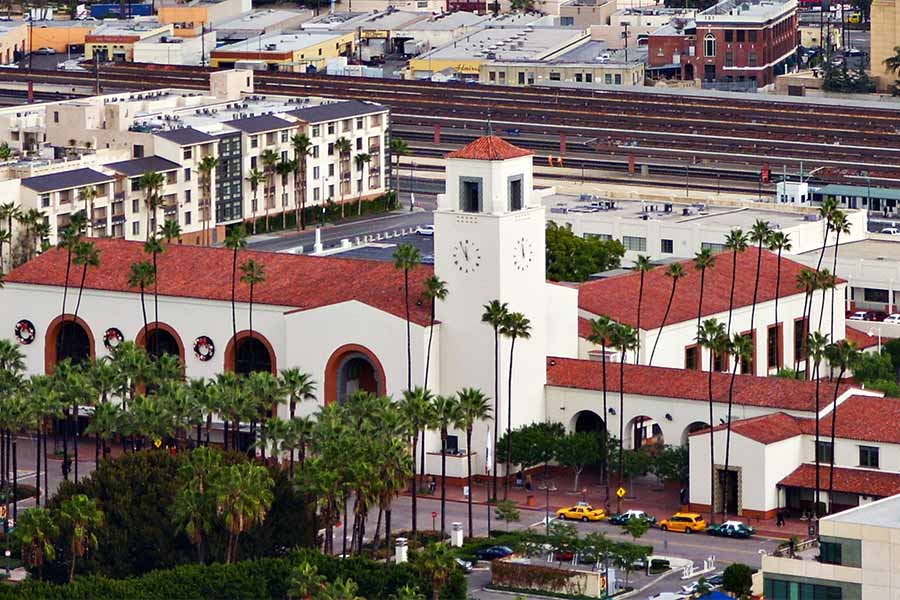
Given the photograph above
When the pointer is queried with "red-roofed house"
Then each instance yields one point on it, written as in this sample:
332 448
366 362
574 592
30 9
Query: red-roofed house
775 346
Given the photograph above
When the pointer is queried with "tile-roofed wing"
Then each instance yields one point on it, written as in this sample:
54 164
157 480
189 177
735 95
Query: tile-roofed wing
335 111
767 429
292 281
186 136
853 481
489 147
865 418
616 297
259 124
774 392
139 166
65 180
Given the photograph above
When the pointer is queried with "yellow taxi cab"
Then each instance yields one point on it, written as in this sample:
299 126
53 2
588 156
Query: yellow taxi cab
581 512
683 522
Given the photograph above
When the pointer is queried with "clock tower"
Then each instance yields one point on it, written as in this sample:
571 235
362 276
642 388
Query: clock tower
489 245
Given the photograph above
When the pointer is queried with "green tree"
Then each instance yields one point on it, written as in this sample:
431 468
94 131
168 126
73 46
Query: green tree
674 271
627 555
738 579
576 450
361 160
474 407
636 528
269 158
253 273
435 289
234 241
302 150
495 313
399 148
243 497
299 386
87 195
437 562
712 337
82 518
736 242
703 260
534 444
671 464
406 258
807 280
34 535
343 147
507 512
151 183
306 582
516 326
85 255
624 339
193 510
643 265
446 412
603 331
416 407
255 178
140 276
283 169
892 63
571 258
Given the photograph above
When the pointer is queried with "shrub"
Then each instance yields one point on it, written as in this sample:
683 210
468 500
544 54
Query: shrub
535 577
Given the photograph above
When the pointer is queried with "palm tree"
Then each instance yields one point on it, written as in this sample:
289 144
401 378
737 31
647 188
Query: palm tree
740 349
825 280
361 160
85 255
306 582
703 260
104 425
5 238
302 150
299 386
284 168
603 330
892 63
253 274
437 560
400 148
406 258
269 158
416 407
9 212
624 339
45 404
68 239
643 264
759 235
394 467
495 314
343 148
817 344
674 271
736 242
435 289
83 518
473 407
807 280
151 183
205 168
243 499
169 231
234 241
515 326
140 276
779 242
712 336
35 534
87 195
845 354
839 225
254 179
154 248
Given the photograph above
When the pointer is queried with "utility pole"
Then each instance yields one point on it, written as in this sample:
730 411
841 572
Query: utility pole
625 36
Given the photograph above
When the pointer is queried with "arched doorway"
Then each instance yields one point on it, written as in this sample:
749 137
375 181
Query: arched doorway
695 426
67 338
587 420
688 72
159 339
352 368
250 354
643 431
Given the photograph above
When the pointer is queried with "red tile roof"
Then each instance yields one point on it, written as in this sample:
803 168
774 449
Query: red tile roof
863 339
489 147
766 429
301 282
617 296
864 418
774 392
853 481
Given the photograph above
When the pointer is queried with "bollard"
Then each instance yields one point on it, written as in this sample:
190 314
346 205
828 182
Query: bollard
456 534
400 550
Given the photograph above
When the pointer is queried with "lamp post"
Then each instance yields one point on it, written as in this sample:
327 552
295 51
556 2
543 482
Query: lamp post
547 487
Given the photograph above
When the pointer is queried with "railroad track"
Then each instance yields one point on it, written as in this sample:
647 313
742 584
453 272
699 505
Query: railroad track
735 133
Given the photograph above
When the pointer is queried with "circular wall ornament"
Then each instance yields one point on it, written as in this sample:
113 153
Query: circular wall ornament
25 332
113 338
204 349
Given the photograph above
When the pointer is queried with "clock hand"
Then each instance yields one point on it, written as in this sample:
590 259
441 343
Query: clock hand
465 253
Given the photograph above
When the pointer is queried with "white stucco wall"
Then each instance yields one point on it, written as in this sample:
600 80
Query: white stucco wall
562 321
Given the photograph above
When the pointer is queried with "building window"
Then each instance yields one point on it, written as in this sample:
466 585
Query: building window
45 200
873 295
830 553
729 35
729 58
713 246
331 170
331 128
751 58
359 143
187 217
521 78
773 347
825 452
470 194
751 36
778 589
254 141
566 21
315 131
135 206
330 149
607 79
554 76
666 246
359 123
56 116
720 362
603 237
634 243
692 358
187 196
589 77
315 152
800 339
515 193
315 173
709 45
618 78
740 35
284 137
135 228
187 174
188 153
749 366
868 456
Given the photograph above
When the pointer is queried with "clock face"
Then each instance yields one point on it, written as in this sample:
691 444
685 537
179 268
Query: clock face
523 254
466 256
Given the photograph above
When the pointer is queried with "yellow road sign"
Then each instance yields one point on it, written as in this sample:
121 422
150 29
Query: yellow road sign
157 442
621 492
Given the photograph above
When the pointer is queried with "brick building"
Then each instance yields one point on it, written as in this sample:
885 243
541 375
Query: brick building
733 41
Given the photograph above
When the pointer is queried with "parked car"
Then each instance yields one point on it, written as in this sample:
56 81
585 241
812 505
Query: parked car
691 588
426 230
45 50
493 552
581 512
563 555
893 319
876 315
733 529
626 516
465 565
859 315
890 231
684 523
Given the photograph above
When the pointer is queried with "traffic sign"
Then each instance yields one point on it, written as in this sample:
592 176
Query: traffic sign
434 514
621 492
157 442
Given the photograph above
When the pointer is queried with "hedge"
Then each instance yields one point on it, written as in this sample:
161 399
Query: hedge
312 215
262 579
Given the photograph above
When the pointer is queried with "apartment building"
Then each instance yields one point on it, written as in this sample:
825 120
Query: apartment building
104 144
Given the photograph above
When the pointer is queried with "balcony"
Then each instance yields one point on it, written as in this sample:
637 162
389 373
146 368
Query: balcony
119 196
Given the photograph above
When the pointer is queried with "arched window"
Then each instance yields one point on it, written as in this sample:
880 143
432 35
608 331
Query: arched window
709 45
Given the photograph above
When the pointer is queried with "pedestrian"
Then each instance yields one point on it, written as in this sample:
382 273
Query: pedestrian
432 485
528 482
779 519
66 468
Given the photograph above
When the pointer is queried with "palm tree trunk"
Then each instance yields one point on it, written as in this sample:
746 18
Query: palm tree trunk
731 293
605 427
415 491
837 241
421 457
665 318
155 307
72 566
387 532
344 529
80 292
428 349
37 469
75 438
46 469
143 307
803 341
728 435
818 461
408 332
443 480
512 349
753 308
496 411
621 426
837 386
712 448
469 476
778 329
96 450
637 351
15 479
64 427
376 538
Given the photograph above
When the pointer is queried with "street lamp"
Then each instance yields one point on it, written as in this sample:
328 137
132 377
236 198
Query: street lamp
547 487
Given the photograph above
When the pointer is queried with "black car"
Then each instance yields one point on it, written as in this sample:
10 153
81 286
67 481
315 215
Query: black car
493 552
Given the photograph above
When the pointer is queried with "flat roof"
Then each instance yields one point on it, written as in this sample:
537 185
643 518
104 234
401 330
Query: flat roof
259 19
259 124
507 44
739 10
125 27
448 22
597 53
883 513
860 191
886 250
392 19
139 166
337 110
716 216
185 136
283 42
65 180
